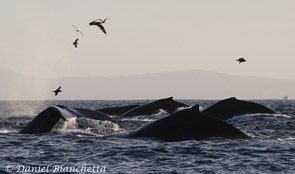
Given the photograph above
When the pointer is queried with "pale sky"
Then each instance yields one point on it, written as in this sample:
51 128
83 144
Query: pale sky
148 36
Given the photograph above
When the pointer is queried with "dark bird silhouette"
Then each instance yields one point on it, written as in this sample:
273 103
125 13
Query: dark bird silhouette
76 42
99 24
241 60
103 20
57 91
77 30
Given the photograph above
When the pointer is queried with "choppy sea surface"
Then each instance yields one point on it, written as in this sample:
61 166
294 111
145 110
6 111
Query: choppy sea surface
100 147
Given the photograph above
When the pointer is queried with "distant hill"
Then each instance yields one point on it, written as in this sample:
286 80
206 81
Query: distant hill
195 84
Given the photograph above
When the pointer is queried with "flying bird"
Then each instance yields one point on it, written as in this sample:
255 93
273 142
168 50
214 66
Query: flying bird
57 91
99 24
77 30
76 42
241 60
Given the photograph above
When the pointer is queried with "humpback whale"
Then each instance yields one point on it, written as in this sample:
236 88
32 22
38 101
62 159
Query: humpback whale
188 124
117 110
230 107
167 104
46 119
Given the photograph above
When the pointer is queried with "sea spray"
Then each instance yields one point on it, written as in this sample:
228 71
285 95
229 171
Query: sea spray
102 127
69 125
89 126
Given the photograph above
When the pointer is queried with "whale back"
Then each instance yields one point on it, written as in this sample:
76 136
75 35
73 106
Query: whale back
230 107
96 115
187 124
167 104
117 110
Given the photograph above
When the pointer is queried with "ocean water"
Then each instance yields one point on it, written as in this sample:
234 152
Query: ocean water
100 147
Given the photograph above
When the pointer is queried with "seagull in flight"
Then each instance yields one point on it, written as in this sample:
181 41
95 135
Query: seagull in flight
241 60
99 24
76 42
57 91
77 30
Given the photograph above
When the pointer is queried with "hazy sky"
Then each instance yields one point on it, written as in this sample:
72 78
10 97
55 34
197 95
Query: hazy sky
148 36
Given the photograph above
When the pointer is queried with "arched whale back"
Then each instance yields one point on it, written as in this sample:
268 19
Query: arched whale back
46 119
96 115
167 104
117 110
230 107
188 124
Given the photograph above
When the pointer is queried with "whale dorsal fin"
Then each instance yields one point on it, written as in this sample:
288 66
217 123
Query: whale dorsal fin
196 108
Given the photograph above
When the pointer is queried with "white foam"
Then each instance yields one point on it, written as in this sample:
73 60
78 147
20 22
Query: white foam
242 117
161 112
102 127
93 126
182 108
70 125
138 119
283 139
258 114
5 131
281 115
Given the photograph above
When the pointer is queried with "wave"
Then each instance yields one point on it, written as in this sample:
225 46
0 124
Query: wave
288 138
255 115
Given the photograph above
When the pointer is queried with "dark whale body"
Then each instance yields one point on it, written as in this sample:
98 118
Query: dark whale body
167 104
117 110
188 124
46 119
230 107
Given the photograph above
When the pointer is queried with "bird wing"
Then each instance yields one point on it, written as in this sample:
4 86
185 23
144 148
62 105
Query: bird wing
106 19
103 21
59 87
75 27
80 32
102 29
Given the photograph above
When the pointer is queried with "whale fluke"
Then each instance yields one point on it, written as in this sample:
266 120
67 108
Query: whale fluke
230 107
46 119
166 104
188 124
